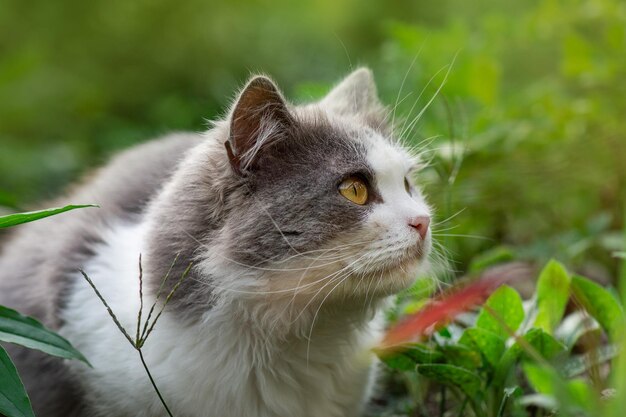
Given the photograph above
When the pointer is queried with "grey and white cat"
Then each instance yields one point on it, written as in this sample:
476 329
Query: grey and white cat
300 221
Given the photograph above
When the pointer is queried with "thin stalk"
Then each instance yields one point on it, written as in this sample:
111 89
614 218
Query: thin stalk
156 389
442 401
140 300
463 405
148 327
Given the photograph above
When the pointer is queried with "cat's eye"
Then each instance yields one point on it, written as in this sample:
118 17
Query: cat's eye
354 189
407 186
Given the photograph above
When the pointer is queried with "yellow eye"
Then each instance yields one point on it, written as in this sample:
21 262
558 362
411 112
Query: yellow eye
354 190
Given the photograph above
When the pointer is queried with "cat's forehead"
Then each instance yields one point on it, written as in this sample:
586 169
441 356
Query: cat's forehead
384 156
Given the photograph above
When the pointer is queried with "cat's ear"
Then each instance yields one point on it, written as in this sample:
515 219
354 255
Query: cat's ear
355 94
258 118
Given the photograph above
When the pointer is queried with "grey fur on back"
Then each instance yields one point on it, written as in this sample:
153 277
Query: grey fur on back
37 258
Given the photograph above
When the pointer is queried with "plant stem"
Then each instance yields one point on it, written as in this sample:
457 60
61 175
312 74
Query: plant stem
140 300
463 406
145 366
442 401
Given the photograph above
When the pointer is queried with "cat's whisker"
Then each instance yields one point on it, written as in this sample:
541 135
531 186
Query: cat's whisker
406 74
447 219
345 268
336 259
460 235
341 281
446 229
404 126
443 82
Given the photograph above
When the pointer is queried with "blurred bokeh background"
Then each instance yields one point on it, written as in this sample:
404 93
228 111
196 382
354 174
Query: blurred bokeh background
526 138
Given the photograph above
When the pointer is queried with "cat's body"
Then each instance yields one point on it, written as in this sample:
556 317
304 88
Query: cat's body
289 270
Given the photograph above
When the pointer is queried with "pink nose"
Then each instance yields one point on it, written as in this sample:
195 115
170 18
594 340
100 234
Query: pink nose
420 223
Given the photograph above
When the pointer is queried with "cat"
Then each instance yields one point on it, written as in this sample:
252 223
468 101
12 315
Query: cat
298 222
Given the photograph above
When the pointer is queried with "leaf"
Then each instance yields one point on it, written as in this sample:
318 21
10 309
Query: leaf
552 295
461 355
574 326
489 344
546 345
469 382
438 312
26 331
410 356
538 340
507 304
14 401
601 305
570 395
540 378
547 402
581 393
508 393
579 364
19 218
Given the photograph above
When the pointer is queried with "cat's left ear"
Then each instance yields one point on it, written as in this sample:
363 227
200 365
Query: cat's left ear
355 94
259 118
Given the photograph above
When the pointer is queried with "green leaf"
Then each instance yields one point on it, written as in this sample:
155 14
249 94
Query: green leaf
538 340
408 358
469 382
552 295
19 218
543 343
461 355
601 305
26 331
540 378
14 401
570 395
507 304
398 361
489 344
581 393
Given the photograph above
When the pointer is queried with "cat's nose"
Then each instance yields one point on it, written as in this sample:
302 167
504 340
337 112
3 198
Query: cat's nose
420 223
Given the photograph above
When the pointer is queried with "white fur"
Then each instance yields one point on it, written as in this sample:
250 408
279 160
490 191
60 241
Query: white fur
227 366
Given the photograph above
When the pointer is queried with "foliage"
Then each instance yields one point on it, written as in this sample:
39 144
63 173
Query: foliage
26 331
511 356
19 218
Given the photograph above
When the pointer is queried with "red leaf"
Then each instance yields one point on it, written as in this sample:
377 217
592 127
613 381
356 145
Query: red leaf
439 312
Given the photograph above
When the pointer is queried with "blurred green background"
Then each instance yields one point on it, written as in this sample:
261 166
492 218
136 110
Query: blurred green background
526 137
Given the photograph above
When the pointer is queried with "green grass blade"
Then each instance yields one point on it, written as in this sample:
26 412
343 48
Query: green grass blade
19 218
26 331
14 401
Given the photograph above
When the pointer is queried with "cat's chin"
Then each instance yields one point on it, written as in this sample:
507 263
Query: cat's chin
390 279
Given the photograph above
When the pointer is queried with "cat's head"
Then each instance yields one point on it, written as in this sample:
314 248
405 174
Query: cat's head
325 203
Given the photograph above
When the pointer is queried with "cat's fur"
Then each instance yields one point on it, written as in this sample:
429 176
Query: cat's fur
281 306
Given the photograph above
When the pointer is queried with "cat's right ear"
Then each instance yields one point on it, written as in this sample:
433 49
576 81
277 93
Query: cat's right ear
258 118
